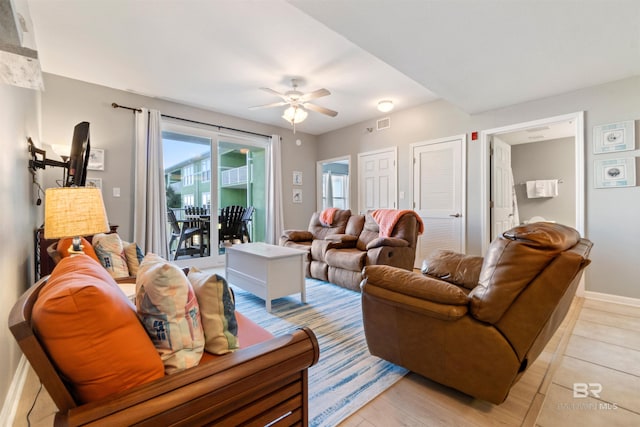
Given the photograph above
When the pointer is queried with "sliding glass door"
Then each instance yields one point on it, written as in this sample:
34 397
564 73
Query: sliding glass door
196 198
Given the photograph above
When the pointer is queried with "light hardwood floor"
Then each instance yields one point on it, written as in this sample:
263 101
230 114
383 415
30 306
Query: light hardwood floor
598 343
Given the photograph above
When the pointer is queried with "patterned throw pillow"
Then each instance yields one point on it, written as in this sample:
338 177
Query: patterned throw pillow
169 311
91 331
217 308
110 253
134 256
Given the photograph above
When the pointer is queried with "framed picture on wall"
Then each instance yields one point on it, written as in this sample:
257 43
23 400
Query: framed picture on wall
96 159
297 195
613 173
614 137
297 178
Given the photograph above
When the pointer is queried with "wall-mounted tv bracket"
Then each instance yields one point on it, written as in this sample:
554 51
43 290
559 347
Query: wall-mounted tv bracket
39 160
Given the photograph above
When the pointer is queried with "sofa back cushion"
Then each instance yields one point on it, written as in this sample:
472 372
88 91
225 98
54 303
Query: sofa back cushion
355 225
406 229
338 226
512 261
370 231
91 331
168 308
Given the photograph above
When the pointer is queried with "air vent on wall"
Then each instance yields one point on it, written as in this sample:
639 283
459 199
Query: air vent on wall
538 129
383 123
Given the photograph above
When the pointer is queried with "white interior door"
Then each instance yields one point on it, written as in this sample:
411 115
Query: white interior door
439 194
502 215
377 180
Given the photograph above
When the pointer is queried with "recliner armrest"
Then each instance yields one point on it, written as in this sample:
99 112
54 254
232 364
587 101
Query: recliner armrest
415 285
342 240
393 242
297 235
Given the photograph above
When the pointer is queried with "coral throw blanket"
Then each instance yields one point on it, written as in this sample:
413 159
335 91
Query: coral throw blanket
387 219
327 215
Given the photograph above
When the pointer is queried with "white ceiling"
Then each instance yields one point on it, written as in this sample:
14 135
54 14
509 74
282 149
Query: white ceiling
477 54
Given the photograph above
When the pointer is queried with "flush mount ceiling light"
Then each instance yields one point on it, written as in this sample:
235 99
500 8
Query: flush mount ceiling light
385 105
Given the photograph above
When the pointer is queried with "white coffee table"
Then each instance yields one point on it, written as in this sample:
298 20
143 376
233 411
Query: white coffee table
267 271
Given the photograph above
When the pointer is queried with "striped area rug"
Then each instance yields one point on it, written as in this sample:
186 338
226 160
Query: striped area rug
346 377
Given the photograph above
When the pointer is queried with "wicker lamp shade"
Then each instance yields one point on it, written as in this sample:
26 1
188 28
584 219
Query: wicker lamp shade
74 211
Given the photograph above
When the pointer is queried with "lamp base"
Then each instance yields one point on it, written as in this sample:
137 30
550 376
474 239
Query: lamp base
76 246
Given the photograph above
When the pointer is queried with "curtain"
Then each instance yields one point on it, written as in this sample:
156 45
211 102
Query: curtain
329 196
275 219
515 215
149 212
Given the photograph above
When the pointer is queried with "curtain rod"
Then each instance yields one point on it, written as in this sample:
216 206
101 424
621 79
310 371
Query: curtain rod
114 105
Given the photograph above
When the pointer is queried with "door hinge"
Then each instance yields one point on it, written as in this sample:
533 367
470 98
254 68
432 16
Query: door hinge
491 204
491 151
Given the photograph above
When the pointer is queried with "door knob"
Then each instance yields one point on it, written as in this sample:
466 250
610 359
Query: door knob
456 215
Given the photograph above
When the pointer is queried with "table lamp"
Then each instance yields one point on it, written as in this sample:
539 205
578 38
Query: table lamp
74 212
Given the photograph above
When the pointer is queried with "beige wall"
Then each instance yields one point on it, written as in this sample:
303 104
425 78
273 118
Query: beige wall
610 213
18 215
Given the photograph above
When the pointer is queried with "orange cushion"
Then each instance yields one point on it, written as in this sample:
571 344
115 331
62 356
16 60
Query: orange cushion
91 331
65 244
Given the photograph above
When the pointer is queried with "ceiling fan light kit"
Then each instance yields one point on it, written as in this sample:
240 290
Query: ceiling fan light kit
298 102
385 105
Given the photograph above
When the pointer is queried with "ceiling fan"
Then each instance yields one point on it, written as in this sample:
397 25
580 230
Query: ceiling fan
298 103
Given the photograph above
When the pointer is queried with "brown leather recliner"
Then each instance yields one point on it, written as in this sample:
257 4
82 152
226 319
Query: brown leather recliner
302 239
339 252
476 324
341 261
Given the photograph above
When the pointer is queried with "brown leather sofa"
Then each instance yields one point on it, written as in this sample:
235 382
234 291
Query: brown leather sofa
338 254
476 324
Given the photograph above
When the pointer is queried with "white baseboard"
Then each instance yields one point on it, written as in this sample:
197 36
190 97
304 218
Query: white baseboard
635 302
11 402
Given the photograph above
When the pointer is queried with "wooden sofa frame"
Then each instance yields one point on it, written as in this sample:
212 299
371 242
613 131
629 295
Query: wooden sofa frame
258 385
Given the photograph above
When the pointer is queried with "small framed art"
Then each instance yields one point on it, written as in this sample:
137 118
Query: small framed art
614 137
297 178
96 159
297 195
613 173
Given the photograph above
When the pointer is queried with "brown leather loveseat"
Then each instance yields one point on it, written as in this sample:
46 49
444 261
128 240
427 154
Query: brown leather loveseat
338 253
476 324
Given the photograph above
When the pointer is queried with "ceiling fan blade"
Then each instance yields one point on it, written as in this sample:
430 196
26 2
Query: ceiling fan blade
273 104
315 94
319 109
274 92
